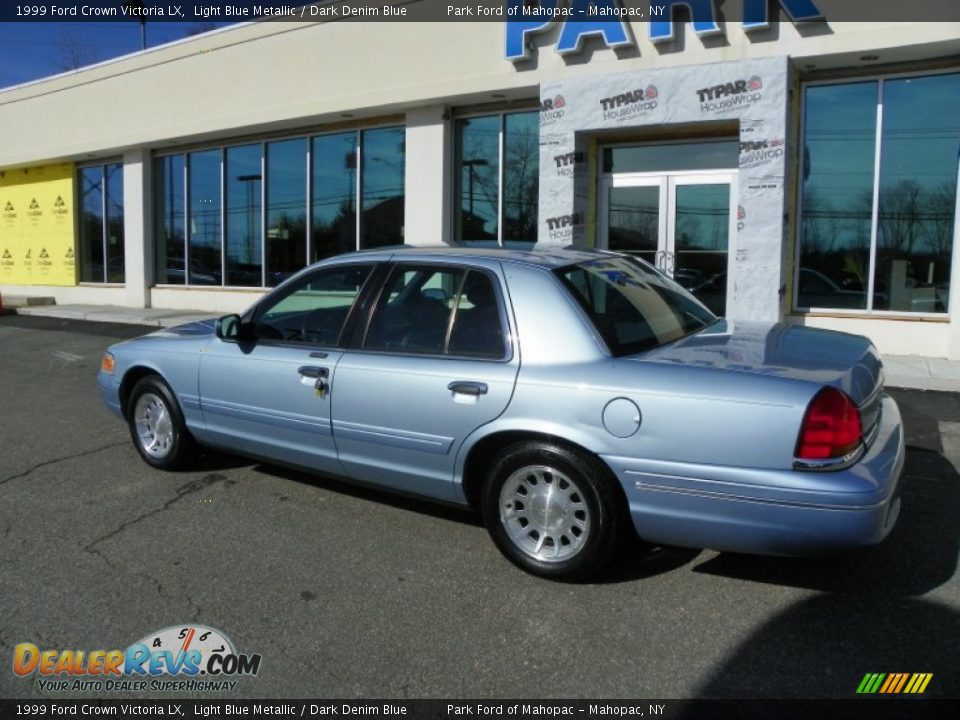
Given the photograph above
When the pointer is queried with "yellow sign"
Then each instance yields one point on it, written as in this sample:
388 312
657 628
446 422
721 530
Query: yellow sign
37 226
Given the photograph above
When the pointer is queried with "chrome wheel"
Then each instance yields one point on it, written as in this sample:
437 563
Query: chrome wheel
154 425
544 513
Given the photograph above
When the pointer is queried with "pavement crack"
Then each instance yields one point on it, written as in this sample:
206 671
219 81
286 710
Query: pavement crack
163 593
183 491
45 463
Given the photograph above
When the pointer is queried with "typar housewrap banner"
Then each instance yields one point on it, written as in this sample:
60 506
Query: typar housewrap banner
752 93
37 226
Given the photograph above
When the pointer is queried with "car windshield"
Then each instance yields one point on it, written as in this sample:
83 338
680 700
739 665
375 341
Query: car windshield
633 307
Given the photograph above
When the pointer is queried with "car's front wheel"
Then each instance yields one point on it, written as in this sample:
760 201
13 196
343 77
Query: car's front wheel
156 425
552 510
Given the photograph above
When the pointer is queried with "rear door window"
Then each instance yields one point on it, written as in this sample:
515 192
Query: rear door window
432 310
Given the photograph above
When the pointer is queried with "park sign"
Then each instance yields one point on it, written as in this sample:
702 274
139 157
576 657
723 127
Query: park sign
607 19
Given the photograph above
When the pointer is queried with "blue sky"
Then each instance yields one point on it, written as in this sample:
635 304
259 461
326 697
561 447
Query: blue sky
29 51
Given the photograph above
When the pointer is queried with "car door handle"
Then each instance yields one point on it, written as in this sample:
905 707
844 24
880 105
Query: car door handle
309 371
465 387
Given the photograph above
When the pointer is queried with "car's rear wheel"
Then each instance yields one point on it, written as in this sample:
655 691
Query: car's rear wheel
552 510
156 425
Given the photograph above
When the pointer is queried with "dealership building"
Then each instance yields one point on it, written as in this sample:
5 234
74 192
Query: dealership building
789 167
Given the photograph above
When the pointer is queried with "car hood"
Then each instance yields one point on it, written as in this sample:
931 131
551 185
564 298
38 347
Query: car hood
191 329
848 362
180 337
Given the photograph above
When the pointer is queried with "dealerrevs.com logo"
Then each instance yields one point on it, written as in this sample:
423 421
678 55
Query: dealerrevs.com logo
730 95
179 658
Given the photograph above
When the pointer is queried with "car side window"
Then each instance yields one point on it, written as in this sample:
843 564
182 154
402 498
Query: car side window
437 311
632 307
477 327
315 310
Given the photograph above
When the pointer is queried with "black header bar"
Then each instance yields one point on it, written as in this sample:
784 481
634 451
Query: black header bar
599 11
873 708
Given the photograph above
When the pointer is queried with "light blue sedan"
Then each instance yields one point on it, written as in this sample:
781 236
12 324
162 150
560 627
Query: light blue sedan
570 396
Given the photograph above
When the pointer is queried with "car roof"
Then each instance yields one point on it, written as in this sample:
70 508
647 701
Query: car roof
545 257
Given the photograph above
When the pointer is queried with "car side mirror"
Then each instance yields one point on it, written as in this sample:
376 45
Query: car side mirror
229 327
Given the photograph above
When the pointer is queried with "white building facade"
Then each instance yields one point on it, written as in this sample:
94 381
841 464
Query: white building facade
804 172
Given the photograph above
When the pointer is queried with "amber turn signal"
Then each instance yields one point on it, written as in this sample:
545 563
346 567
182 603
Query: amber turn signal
107 364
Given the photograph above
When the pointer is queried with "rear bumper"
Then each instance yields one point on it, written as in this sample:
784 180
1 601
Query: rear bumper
773 512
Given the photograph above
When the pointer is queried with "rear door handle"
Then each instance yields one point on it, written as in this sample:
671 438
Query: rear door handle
465 387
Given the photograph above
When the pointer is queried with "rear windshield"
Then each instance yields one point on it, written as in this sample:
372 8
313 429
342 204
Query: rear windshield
633 307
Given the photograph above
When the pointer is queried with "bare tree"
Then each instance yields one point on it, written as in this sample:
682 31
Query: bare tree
521 182
938 213
73 52
900 216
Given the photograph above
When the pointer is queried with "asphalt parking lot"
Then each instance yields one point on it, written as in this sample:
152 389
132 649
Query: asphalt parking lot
350 593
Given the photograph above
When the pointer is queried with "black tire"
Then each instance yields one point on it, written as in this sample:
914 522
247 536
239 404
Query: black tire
576 528
175 446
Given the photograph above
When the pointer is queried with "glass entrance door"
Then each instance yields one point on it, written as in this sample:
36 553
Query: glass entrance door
681 223
634 221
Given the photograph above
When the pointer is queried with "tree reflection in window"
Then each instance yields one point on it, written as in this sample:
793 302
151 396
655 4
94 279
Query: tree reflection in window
490 150
909 240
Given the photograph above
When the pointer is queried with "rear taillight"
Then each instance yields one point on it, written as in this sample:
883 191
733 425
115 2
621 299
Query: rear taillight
831 428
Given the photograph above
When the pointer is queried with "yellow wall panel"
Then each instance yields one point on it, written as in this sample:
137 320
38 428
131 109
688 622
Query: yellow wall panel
37 245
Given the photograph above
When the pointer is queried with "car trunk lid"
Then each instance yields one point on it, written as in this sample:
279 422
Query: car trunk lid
847 362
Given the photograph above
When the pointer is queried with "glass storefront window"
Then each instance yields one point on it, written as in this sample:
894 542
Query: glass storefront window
839 143
521 176
91 224
918 193
478 176
244 177
168 221
286 209
382 195
205 247
113 202
334 188
212 228
497 178
893 254
101 224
